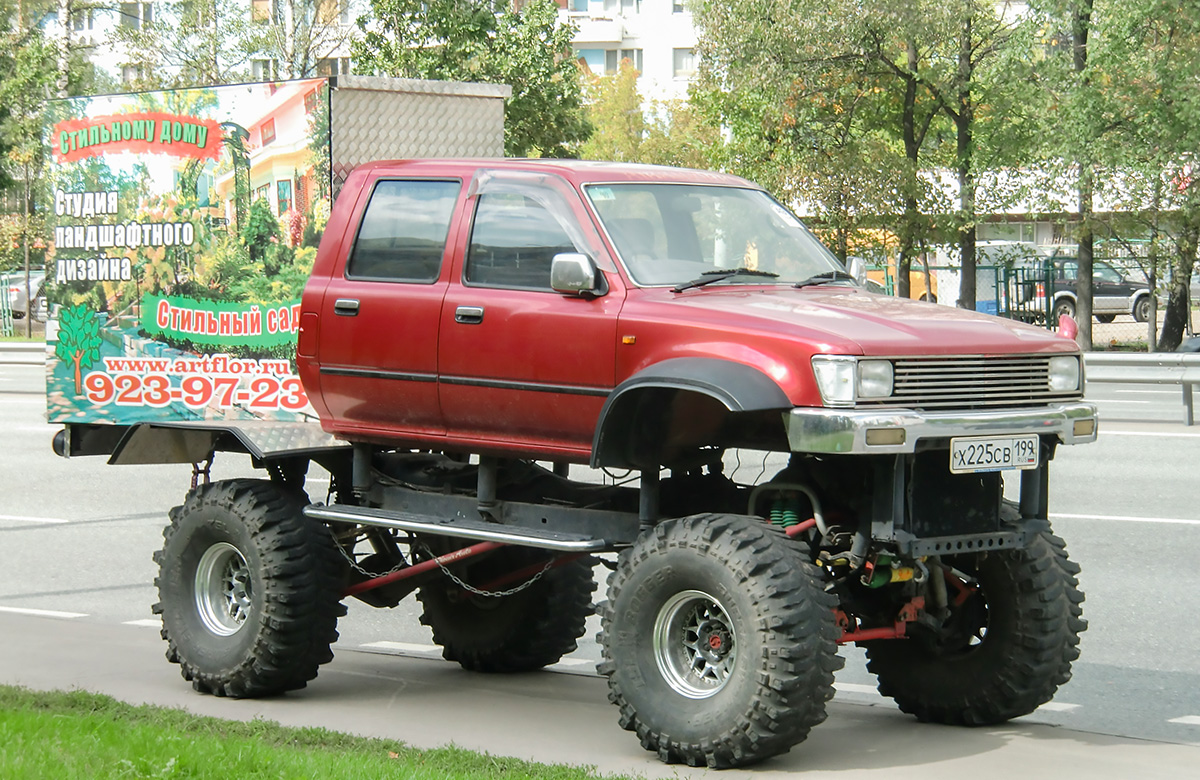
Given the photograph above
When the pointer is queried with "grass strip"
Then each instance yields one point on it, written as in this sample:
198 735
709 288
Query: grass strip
69 735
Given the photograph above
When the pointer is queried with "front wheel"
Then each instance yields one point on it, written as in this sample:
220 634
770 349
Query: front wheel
718 641
1006 646
249 590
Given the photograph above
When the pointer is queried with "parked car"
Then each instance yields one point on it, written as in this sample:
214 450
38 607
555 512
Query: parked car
19 295
1113 292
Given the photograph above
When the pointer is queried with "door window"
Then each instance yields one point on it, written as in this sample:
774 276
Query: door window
403 232
513 241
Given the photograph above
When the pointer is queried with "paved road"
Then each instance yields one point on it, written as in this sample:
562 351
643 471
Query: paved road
75 568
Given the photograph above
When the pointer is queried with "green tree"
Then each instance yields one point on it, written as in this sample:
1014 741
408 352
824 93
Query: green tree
78 341
614 109
190 43
487 41
298 34
826 103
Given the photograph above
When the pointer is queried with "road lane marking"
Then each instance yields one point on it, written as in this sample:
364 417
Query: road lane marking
842 687
147 622
1125 518
42 612
403 647
1187 720
25 519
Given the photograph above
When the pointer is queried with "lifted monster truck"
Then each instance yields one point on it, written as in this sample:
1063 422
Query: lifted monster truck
474 328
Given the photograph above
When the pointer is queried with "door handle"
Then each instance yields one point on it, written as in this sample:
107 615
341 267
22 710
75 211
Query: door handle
346 307
468 315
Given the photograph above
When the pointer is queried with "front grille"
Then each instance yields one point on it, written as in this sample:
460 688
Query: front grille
971 383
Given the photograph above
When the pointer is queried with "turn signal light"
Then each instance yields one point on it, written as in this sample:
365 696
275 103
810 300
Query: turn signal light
886 436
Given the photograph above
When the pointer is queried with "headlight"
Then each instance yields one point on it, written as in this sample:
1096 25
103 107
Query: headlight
842 379
874 378
1064 373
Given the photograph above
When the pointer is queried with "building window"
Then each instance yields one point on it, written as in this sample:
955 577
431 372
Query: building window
333 66
83 20
131 73
262 10
579 5
263 192
685 63
626 7
283 195
136 15
614 57
677 6
310 101
262 70
329 11
268 132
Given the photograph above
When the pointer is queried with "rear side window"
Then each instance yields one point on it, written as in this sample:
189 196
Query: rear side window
403 232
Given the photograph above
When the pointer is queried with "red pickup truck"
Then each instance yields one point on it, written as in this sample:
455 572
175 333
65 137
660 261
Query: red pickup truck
475 333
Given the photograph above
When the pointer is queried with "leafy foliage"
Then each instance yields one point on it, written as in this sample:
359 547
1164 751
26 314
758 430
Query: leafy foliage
487 41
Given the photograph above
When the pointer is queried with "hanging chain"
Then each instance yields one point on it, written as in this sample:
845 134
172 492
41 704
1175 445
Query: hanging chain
497 594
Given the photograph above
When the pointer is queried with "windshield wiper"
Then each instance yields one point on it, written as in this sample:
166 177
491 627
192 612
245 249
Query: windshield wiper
829 277
720 275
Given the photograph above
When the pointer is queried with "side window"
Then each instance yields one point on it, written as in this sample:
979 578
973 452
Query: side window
513 240
403 232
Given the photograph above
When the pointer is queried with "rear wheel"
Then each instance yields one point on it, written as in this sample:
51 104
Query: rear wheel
1141 309
520 632
1106 318
1064 306
249 590
719 642
1006 646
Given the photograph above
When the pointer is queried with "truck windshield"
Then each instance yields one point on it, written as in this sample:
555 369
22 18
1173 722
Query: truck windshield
673 234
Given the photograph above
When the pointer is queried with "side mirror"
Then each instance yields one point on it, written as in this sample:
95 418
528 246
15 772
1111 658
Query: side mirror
572 273
857 268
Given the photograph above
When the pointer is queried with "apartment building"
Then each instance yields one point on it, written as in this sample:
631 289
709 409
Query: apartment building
656 36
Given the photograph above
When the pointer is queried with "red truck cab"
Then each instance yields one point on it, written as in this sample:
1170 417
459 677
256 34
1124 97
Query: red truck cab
433 317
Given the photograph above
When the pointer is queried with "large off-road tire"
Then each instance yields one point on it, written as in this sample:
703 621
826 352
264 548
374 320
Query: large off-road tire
520 632
249 590
718 641
1007 646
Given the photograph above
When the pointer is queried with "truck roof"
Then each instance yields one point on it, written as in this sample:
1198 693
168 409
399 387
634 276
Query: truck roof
578 172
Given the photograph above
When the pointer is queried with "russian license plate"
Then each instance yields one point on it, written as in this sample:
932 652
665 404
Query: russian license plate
993 453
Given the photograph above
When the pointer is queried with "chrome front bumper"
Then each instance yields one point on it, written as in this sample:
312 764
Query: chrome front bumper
845 431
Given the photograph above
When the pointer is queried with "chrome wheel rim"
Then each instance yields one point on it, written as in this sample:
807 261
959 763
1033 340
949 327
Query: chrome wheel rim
695 645
223 589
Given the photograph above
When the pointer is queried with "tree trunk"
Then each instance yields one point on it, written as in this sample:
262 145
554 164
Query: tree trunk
1177 310
1081 22
912 151
964 125
64 46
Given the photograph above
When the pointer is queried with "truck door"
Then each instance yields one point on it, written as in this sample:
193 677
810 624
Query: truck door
520 364
379 317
